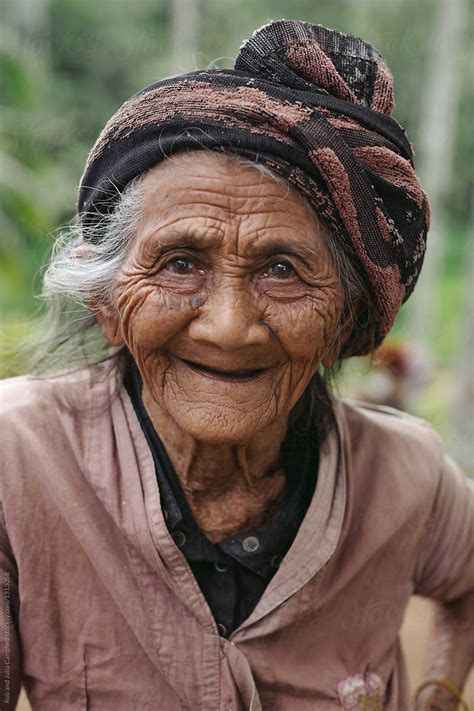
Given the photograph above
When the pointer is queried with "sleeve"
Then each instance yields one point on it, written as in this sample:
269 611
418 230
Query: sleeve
445 567
10 657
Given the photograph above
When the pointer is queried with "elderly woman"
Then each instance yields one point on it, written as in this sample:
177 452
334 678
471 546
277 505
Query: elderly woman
191 520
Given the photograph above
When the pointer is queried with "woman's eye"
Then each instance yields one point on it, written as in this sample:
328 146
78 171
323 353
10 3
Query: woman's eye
180 265
280 270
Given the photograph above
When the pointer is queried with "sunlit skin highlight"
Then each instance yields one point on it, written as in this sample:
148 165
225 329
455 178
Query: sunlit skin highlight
228 301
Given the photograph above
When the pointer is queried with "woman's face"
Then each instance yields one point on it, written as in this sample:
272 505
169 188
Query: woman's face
228 299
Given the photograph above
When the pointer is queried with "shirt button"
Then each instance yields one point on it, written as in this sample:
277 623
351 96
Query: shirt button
276 561
221 567
250 544
179 538
222 629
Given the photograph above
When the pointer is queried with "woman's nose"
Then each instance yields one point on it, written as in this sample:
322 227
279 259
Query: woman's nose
229 319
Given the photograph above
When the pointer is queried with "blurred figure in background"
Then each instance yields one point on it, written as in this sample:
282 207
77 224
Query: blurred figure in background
399 373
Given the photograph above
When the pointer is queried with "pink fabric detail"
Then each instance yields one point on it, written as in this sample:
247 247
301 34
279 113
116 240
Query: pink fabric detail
383 226
338 121
392 167
362 691
313 64
386 281
383 99
200 100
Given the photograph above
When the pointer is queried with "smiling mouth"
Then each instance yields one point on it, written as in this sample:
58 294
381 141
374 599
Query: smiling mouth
231 376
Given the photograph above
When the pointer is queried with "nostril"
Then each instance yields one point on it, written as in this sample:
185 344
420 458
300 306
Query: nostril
229 330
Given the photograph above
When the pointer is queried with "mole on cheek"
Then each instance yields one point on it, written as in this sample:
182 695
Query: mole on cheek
196 300
174 304
180 304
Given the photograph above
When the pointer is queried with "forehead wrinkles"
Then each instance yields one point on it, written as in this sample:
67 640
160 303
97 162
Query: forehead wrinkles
203 173
228 232
232 213
229 193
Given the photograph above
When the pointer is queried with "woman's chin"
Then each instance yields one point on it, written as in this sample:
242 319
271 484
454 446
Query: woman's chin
212 426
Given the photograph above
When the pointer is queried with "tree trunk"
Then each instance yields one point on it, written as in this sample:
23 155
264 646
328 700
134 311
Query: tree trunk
185 27
461 439
31 18
438 124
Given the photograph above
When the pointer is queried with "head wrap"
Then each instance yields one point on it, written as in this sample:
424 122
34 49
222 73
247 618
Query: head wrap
312 104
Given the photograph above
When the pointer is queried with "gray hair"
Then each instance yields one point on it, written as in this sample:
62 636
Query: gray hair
82 269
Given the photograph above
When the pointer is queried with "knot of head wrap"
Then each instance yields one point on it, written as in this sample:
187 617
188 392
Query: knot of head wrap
313 105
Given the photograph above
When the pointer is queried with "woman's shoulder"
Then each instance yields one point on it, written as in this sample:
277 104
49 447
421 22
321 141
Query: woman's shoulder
47 425
30 399
405 448
32 391
391 426
405 491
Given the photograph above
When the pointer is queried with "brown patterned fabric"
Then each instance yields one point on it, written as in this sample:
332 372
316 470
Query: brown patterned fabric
312 104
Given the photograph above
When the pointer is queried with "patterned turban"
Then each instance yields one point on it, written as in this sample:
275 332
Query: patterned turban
313 105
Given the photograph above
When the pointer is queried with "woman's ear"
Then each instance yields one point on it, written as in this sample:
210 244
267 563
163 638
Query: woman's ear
109 320
332 354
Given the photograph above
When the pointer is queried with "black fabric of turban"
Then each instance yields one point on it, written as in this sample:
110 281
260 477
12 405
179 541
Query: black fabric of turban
313 105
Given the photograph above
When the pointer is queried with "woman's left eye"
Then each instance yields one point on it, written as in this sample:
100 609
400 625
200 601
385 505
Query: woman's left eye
280 270
180 265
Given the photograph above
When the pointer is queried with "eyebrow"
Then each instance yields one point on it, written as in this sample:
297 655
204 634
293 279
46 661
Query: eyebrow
296 250
178 240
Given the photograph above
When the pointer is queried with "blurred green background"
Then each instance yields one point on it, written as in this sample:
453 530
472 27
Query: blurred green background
66 66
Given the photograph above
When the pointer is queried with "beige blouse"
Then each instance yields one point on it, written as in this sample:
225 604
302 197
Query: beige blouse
101 610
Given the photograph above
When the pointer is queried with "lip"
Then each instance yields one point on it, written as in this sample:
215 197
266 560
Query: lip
236 376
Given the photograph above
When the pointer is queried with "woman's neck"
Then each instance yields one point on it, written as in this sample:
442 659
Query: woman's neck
229 488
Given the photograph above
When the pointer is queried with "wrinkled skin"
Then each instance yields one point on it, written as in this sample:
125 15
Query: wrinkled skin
229 271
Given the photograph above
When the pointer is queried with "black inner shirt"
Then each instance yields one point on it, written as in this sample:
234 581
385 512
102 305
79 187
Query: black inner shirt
233 573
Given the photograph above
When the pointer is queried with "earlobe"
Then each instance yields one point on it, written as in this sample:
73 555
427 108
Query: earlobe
109 321
331 356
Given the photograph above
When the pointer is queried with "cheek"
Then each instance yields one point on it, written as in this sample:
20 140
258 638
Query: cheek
307 327
151 316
